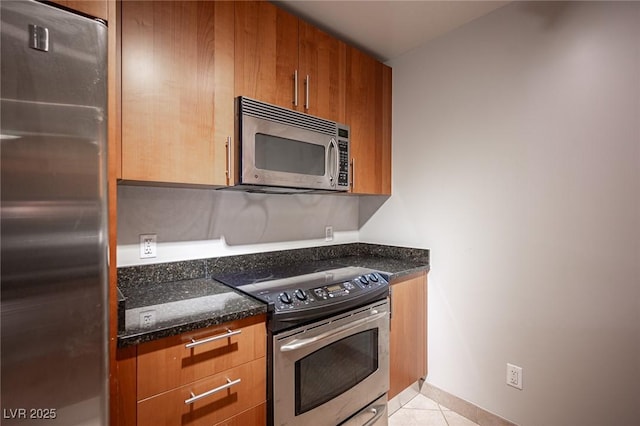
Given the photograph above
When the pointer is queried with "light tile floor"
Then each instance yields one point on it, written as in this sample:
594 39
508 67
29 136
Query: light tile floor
422 411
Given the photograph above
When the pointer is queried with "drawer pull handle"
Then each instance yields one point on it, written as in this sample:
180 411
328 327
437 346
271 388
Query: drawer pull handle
227 385
194 342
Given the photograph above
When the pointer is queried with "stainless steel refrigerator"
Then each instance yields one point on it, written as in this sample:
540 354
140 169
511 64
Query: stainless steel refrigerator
53 233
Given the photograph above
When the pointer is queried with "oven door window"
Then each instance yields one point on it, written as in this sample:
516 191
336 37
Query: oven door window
289 155
334 369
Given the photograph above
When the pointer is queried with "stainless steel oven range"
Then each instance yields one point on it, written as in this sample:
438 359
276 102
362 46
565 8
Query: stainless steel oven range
328 345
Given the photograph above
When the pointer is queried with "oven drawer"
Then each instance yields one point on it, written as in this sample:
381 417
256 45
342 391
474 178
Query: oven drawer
233 397
175 361
375 414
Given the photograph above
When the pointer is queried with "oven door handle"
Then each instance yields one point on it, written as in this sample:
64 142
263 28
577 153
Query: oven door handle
300 343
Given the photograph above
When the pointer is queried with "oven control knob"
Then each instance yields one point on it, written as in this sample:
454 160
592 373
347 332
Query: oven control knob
285 298
373 277
300 294
364 280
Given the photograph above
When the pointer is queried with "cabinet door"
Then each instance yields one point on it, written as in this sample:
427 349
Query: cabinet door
177 96
322 80
408 335
266 53
368 113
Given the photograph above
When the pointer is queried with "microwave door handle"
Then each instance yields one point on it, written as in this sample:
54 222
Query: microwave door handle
333 150
337 163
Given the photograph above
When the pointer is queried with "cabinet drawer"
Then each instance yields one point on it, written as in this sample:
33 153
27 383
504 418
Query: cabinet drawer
256 416
168 363
170 408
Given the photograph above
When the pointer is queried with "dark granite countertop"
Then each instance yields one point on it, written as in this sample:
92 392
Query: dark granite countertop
166 309
395 269
173 298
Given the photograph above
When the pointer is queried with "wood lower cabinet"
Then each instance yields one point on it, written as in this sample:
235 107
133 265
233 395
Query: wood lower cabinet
169 363
226 364
177 91
368 112
253 416
97 8
408 336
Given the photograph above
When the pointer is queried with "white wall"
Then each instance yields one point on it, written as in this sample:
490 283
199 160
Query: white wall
203 223
516 160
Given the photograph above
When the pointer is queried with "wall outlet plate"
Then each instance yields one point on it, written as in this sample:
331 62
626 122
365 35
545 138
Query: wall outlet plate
148 246
328 233
148 318
514 376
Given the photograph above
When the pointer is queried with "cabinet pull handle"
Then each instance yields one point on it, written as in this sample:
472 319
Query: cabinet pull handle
353 174
194 342
306 94
228 171
295 88
227 385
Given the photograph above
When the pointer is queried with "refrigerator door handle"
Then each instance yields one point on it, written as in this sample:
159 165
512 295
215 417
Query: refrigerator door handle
38 38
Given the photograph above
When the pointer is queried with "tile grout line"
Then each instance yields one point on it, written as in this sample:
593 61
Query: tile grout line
439 409
442 412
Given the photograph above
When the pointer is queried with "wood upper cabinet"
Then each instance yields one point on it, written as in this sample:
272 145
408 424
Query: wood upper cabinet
322 81
285 61
368 112
408 335
177 91
266 52
97 8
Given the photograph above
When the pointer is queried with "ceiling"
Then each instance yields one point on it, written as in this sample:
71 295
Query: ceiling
387 29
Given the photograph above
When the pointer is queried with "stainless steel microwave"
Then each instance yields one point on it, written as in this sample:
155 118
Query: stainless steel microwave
287 151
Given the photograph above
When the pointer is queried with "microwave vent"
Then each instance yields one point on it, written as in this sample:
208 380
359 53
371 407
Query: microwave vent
278 114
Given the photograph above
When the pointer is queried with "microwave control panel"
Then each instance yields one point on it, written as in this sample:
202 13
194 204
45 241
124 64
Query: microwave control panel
343 173
343 153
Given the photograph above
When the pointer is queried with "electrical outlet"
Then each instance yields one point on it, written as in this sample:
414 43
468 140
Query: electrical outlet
328 233
147 319
148 246
514 376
